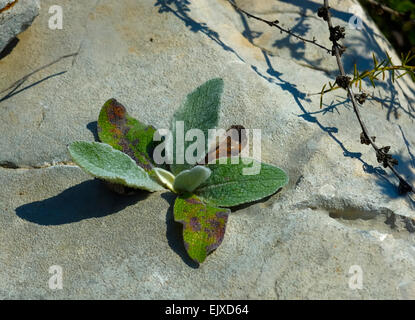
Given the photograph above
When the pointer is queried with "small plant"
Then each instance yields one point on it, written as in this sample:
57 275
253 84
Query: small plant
204 191
379 69
343 81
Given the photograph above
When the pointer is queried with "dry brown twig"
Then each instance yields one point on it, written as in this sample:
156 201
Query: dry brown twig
344 81
382 154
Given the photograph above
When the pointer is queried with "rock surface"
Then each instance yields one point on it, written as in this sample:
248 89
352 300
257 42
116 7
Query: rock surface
15 17
338 212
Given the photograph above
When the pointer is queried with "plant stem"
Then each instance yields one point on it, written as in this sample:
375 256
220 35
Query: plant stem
354 103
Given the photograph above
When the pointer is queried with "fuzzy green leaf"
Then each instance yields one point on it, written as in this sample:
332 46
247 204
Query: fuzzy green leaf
199 111
164 177
230 185
107 163
124 133
189 180
203 225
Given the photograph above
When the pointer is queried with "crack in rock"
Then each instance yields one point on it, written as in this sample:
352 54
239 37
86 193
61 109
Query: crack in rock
370 217
14 166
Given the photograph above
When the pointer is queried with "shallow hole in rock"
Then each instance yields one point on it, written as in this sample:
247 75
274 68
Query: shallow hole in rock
351 214
387 223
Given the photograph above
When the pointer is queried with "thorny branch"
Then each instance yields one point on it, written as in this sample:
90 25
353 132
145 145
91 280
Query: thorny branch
378 69
336 33
276 24
345 82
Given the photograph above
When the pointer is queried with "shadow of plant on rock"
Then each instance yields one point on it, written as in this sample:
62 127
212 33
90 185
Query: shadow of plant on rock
89 199
93 127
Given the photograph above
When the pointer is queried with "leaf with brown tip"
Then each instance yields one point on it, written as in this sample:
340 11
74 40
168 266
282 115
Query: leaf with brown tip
124 133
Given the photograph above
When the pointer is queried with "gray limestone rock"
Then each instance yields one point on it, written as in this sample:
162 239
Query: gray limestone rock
339 219
15 17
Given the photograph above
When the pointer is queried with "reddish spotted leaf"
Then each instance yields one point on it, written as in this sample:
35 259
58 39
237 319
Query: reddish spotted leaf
203 225
124 133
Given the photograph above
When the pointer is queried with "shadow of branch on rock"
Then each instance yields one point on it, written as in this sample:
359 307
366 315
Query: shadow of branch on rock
275 77
89 199
15 91
180 8
17 84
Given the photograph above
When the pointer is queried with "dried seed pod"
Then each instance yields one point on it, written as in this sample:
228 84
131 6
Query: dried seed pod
343 81
385 149
364 139
404 187
385 158
323 12
337 33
